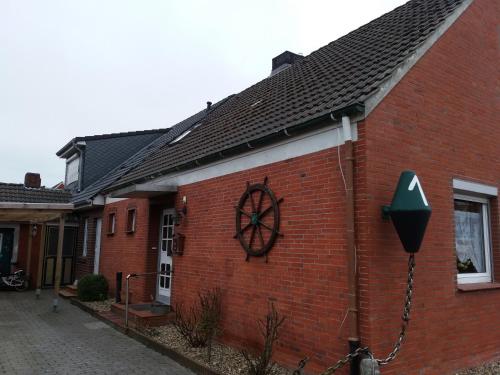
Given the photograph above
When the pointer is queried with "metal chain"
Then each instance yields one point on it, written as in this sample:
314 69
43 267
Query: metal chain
349 357
406 313
397 347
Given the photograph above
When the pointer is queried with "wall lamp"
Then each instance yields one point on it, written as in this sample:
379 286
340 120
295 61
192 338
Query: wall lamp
180 215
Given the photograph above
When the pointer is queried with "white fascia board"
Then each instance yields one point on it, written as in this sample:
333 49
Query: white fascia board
373 101
98 200
328 137
109 200
474 187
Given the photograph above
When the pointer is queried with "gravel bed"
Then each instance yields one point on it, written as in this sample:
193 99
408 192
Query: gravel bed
489 369
100 306
225 360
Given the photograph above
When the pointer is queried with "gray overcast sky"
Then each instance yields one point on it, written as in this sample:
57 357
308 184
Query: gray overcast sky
75 68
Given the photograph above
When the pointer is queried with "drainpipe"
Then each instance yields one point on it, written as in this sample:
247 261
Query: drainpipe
352 276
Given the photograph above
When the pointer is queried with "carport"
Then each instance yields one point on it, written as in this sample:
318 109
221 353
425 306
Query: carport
22 205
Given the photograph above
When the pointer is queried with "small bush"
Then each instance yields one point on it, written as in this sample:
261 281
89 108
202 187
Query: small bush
199 325
92 288
269 329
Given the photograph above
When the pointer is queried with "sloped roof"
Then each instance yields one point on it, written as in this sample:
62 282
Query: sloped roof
343 73
107 136
94 189
102 155
21 194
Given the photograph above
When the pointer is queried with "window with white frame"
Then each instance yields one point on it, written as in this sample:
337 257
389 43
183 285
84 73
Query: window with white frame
111 223
85 237
472 231
72 168
131 214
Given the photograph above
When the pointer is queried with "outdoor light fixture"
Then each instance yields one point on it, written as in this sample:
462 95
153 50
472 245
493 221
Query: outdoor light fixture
179 215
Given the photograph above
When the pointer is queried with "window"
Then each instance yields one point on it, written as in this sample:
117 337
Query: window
85 237
111 223
472 231
131 220
72 167
185 133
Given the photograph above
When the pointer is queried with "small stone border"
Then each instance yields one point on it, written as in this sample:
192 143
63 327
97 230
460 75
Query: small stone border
187 362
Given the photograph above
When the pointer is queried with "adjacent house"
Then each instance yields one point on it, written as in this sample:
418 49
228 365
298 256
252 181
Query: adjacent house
29 226
276 195
91 163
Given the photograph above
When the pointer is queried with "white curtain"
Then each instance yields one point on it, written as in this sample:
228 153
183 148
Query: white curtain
469 238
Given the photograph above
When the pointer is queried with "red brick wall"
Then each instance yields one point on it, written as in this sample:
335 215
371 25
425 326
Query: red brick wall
85 264
306 271
129 252
442 122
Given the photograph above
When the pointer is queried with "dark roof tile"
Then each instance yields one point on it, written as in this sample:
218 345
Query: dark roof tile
340 74
20 194
95 188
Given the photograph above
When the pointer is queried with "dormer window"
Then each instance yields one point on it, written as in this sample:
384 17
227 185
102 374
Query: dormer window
72 168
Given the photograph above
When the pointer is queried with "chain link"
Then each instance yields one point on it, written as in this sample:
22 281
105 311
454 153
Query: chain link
342 362
406 313
364 350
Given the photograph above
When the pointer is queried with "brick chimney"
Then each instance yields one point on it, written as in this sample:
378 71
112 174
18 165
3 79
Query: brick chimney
32 180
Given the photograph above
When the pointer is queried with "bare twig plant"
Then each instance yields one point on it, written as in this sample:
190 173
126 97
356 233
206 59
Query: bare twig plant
200 324
269 329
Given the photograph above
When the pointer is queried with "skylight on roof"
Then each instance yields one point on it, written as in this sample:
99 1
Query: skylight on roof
183 135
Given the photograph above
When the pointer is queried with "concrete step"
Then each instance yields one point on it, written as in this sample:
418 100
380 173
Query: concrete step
72 287
67 293
140 314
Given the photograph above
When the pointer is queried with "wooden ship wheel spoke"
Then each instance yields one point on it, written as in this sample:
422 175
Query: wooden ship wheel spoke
257 228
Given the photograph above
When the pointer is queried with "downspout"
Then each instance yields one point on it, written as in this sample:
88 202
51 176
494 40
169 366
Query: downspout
352 275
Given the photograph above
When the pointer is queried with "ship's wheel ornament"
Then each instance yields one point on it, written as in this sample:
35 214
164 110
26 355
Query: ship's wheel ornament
257 219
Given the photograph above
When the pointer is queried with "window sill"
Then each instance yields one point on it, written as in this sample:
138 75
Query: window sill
110 233
130 231
477 286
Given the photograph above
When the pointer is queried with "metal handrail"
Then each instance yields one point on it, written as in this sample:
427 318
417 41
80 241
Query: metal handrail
132 275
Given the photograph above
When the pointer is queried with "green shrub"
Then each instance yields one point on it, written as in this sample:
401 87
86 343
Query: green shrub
92 288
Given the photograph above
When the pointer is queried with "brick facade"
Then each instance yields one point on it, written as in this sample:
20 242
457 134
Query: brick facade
441 120
135 252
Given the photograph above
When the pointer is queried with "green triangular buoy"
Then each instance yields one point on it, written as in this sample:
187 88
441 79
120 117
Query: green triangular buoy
409 211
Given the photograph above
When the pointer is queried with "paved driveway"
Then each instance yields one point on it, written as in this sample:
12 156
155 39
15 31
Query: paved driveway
34 340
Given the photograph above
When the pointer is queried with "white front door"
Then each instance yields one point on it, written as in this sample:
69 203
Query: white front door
164 286
97 248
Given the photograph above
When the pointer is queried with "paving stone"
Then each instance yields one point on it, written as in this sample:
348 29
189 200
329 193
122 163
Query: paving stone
35 340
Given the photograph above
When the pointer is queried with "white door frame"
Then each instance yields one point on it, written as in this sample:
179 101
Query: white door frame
97 246
163 294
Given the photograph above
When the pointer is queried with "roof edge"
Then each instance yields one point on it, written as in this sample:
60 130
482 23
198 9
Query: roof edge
37 206
63 149
354 109
400 71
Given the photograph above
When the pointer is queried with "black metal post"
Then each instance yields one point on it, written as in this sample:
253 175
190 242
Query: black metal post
354 370
118 289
